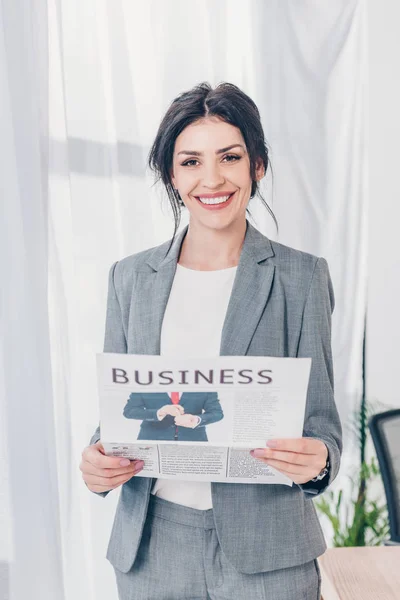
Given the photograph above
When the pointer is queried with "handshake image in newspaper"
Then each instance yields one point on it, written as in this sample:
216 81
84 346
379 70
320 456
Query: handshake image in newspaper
197 419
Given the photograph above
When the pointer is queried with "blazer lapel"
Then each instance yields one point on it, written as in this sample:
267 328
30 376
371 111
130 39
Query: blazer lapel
153 292
250 294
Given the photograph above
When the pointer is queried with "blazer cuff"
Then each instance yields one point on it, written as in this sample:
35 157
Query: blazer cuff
312 489
151 414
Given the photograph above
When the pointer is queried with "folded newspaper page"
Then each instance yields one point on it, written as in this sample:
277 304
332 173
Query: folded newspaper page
198 418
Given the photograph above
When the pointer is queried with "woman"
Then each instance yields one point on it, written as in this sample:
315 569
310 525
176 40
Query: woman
221 288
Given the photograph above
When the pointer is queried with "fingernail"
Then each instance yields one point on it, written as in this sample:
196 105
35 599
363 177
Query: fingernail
124 462
258 452
139 465
271 444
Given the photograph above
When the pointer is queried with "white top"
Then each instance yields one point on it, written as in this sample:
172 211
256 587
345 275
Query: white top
192 327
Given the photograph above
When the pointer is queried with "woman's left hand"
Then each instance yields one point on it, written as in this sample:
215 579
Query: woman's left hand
299 459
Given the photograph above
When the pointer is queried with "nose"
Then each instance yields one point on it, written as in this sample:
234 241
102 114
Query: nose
212 176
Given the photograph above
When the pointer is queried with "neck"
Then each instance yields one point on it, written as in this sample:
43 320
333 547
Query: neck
206 249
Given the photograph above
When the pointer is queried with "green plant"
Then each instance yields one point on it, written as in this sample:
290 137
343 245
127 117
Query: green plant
359 520
364 521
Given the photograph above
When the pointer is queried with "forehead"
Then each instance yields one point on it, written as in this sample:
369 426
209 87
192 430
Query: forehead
208 133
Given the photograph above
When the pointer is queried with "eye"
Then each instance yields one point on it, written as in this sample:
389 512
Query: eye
234 158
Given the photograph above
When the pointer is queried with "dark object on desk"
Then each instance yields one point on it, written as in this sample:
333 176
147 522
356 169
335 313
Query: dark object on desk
385 432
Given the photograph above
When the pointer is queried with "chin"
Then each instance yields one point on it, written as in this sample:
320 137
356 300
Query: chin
220 224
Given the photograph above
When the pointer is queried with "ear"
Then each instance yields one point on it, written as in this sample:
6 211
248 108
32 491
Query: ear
260 171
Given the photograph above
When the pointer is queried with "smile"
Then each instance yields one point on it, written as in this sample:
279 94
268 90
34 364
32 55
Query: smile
218 201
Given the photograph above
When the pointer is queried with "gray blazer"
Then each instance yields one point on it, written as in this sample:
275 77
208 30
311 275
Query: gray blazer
281 305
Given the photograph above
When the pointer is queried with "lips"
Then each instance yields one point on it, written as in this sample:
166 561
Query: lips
219 206
204 198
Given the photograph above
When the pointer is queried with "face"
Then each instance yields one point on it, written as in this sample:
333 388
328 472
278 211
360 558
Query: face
211 171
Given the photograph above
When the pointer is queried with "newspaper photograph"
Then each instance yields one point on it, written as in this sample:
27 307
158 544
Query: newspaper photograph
198 418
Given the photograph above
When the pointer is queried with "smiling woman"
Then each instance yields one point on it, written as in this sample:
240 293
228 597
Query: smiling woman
210 150
220 287
214 183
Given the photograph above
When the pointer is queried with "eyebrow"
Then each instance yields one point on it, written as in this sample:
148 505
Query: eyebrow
221 151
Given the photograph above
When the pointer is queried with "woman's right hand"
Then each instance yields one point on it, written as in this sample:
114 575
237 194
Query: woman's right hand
103 473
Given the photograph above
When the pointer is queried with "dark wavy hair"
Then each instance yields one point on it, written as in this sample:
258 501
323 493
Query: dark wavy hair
230 104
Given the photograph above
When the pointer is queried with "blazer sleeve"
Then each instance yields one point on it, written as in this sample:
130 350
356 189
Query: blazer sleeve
135 408
321 416
212 410
114 336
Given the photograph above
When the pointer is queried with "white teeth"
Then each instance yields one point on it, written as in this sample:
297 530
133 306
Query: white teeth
214 200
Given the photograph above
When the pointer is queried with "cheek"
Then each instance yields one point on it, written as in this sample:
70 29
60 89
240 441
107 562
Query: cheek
243 176
185 181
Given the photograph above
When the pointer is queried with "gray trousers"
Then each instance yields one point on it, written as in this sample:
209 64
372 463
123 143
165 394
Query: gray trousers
180 558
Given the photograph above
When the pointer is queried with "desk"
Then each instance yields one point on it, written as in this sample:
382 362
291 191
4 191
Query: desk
367 573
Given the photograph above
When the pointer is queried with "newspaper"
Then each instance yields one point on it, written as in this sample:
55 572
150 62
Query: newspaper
197 419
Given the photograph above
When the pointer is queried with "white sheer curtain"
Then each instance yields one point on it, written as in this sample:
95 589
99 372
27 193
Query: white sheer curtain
113 70
30 550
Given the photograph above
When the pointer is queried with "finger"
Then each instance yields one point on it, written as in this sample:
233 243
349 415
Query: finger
88 468
180 408
297 479
100 447
304 445
108 483
288 457
98 488
94 456
288 468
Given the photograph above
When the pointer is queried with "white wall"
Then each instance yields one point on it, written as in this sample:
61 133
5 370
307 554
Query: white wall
383 329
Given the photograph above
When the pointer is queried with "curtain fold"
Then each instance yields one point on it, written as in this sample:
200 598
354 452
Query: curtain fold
30 549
